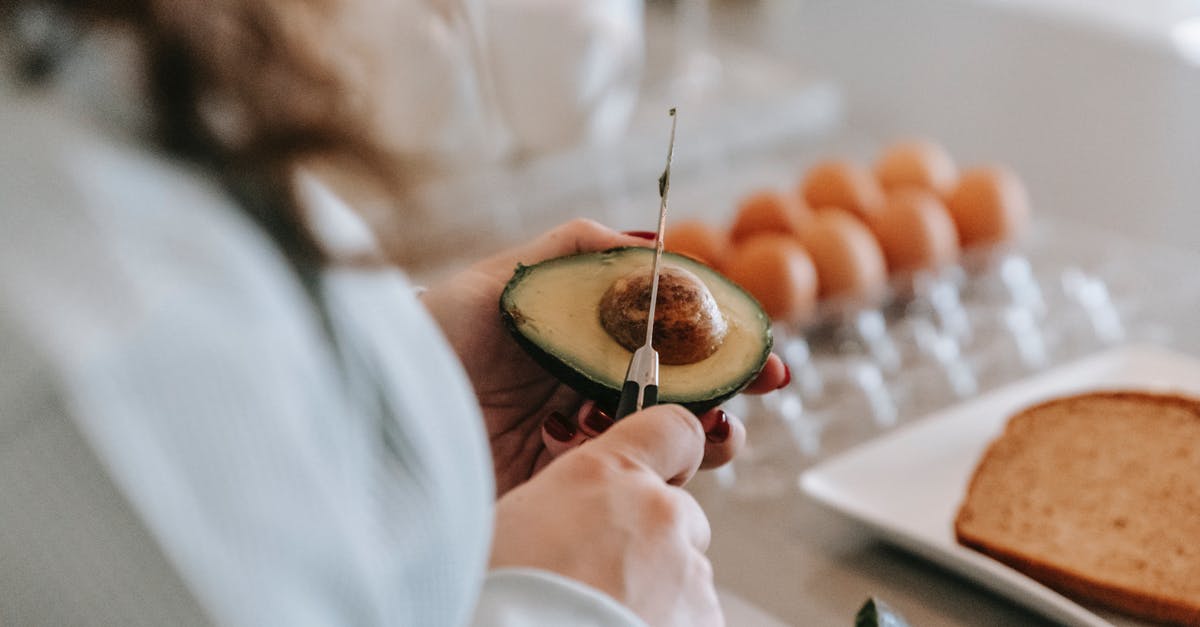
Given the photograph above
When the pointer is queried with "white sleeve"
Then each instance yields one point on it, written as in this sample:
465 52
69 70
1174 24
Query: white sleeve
516 597
72 550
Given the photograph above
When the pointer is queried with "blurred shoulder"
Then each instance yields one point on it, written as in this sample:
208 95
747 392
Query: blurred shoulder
99 233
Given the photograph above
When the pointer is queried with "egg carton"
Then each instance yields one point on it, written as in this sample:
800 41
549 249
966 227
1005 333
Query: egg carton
1067 292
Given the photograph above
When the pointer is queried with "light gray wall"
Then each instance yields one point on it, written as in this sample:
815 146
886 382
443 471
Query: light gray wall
1105 128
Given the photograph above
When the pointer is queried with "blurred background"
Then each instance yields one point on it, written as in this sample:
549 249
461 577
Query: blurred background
1093 102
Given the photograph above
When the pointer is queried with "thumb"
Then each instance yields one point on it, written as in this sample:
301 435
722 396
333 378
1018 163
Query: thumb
665 439
577 236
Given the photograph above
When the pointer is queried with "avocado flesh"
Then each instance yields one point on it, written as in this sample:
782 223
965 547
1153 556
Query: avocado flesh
552 308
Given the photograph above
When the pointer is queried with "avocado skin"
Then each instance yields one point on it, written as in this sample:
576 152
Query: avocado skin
605 396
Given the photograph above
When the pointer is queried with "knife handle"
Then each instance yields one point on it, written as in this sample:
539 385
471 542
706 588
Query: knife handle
649 396
629 397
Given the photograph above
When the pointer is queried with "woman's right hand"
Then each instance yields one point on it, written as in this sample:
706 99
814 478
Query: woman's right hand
612 514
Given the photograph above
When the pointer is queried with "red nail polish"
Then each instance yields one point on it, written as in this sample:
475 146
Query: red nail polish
719 432
787 376
597 420
558 427
650 235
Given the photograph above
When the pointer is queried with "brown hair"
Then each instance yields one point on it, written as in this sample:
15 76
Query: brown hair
244 88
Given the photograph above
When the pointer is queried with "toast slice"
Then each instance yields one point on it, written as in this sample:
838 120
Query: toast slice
1097 496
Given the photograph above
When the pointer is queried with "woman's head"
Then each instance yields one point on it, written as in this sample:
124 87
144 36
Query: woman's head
245 78
246 88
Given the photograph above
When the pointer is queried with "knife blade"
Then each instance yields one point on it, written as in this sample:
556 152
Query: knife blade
640 389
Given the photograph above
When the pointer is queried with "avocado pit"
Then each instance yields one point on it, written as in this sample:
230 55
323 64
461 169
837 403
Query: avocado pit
688 324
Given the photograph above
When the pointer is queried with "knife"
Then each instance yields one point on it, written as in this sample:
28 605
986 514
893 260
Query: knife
640 389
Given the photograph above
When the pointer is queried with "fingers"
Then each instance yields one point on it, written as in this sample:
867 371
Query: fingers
696 525
664 439
576 236
676 508
724 433
775 374
592 420
560 434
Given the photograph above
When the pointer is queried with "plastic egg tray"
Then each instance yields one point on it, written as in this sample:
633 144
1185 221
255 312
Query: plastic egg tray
1066 292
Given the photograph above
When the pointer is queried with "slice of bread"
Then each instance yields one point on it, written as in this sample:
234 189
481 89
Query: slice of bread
1097 496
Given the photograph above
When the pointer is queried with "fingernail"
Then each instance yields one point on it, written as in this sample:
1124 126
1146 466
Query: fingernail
719 432
642 234
557 426
787 377
597 420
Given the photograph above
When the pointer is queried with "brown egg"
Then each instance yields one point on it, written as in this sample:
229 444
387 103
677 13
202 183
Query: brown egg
917 163
768 211
988 205
850 263
841 184
699 240
778 272
915 231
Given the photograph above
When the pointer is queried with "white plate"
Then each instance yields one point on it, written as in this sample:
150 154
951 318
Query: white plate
907 485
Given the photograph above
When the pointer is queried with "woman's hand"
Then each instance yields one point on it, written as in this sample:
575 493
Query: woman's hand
612 515
517 395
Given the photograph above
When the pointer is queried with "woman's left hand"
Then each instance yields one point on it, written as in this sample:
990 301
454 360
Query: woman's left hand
530 416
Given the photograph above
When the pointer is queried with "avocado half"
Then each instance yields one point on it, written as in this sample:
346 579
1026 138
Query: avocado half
552 309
